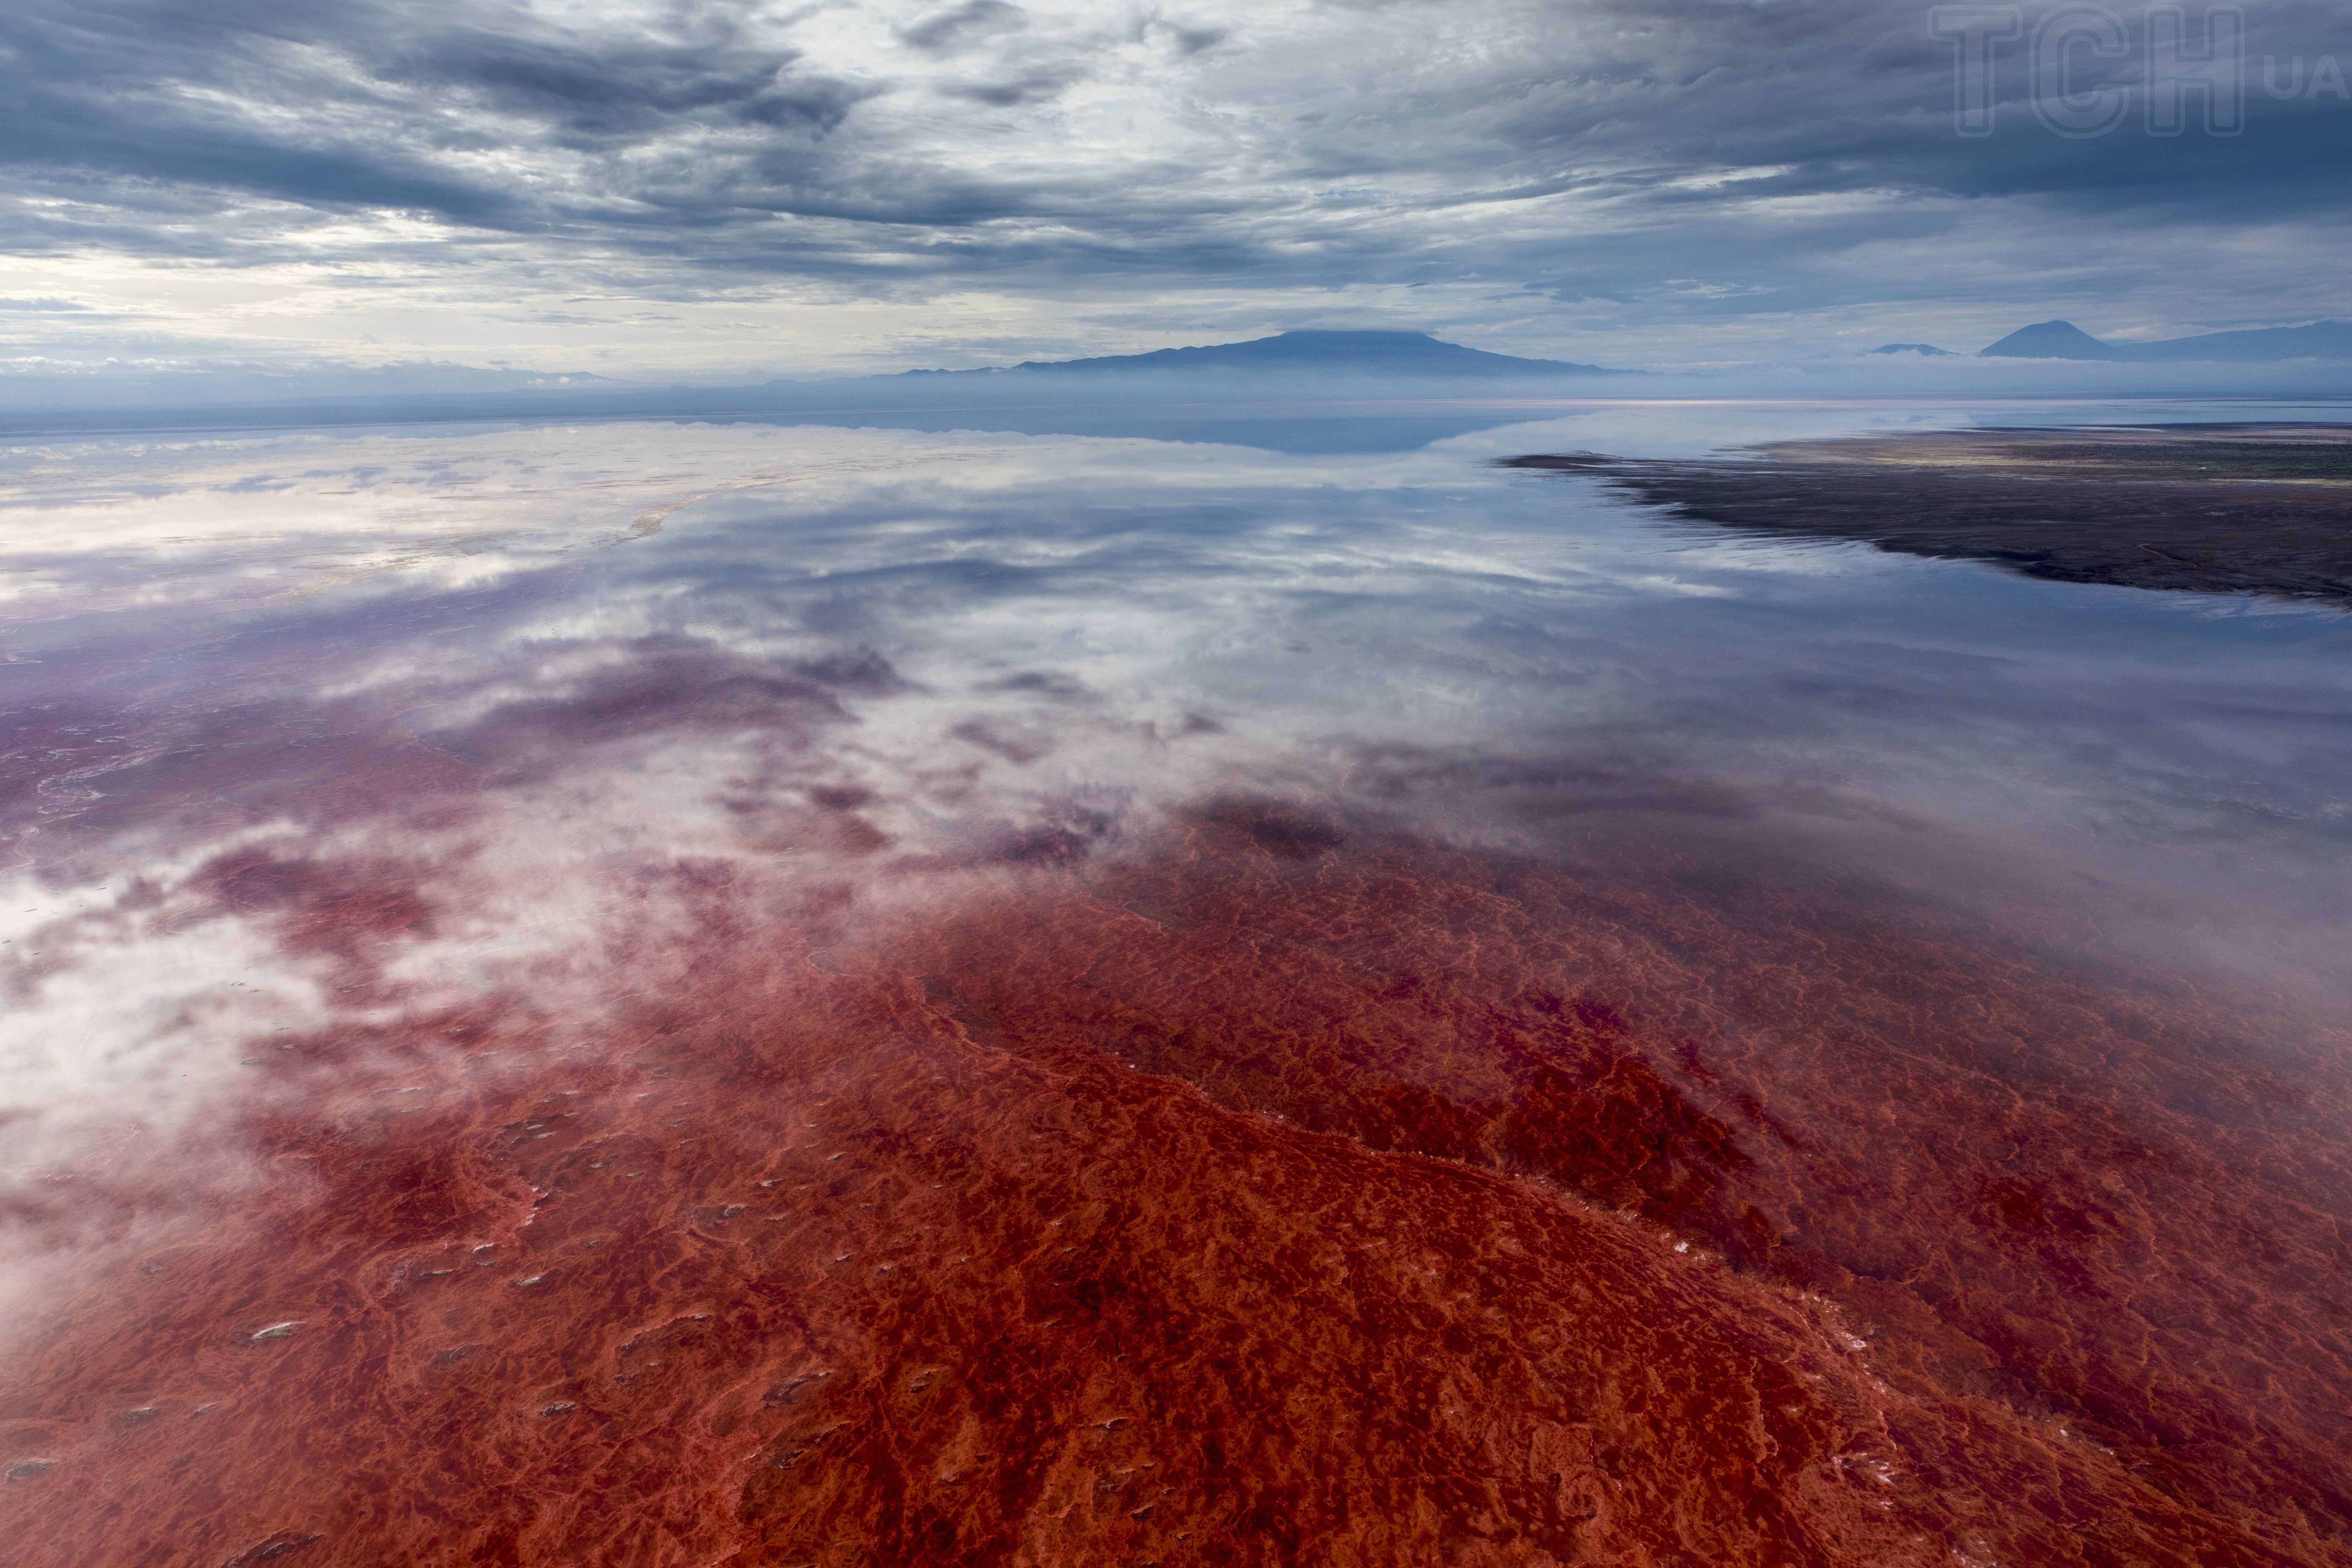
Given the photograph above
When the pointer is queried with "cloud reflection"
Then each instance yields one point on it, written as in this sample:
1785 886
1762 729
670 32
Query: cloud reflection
1135 797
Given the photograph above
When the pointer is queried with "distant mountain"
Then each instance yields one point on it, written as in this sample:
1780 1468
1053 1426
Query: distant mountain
1928 350
2262 345
2051 340
1416 355
1264 392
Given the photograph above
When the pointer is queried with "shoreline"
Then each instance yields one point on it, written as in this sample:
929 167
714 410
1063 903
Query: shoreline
2132 508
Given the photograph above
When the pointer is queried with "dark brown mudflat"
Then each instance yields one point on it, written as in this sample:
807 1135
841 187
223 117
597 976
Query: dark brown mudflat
2208 509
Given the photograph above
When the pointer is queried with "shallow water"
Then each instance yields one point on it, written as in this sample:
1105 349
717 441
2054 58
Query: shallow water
651 992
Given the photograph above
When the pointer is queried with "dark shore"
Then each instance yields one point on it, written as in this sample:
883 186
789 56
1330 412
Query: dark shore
2208 509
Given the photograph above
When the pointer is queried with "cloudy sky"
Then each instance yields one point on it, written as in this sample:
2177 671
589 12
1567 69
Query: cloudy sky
712 189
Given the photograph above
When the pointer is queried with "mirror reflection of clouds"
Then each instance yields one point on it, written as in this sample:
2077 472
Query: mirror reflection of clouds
463 663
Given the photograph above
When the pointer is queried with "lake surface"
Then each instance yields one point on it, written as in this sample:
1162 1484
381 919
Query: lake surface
644 992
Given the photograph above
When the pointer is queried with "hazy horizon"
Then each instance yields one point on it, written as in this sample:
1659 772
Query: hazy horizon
1131 394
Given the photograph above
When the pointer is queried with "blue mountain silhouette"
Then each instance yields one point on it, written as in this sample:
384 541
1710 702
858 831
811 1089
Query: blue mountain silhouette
2260 345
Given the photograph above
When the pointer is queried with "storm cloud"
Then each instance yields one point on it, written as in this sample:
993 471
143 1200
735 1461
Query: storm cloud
1729 173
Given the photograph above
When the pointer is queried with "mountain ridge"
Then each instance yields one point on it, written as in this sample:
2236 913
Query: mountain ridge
1312 350
2259 345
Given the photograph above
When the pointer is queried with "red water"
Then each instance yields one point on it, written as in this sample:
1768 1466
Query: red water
1273 1193
1264 1190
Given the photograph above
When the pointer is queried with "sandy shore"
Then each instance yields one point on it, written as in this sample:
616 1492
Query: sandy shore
2213 509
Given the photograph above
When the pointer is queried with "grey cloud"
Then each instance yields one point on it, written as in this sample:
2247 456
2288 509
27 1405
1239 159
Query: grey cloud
377 106
1034 88
1763 158
594 97
1193 40
973 18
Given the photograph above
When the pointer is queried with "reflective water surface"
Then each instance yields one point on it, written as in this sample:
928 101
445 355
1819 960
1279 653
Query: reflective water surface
687 993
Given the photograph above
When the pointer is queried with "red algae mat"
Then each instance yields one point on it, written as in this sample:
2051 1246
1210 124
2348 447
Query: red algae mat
1279 1192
